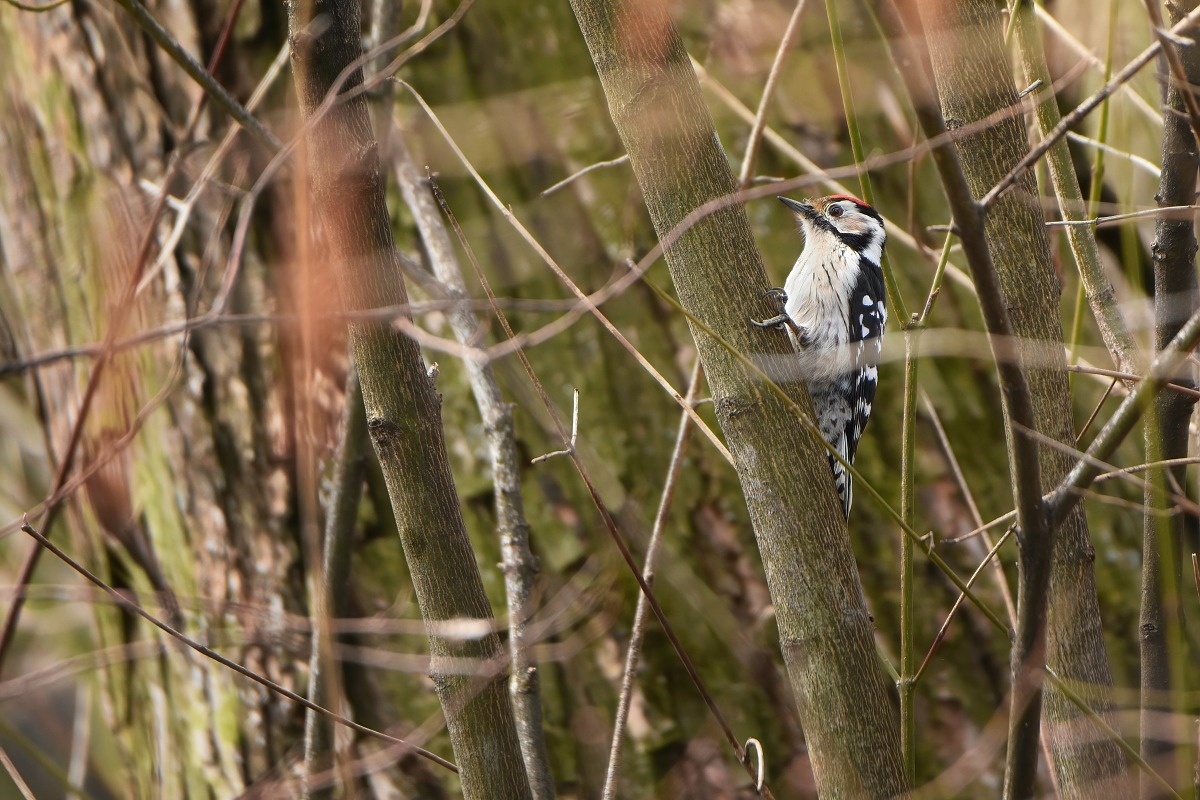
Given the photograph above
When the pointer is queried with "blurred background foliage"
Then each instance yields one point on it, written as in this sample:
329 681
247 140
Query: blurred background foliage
204 436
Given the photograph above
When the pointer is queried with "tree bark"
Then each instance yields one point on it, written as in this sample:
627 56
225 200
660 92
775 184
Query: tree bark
825 629
974 81
403 413
1166 433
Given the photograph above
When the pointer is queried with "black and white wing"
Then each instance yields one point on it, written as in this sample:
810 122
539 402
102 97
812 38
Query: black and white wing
854 393
868 317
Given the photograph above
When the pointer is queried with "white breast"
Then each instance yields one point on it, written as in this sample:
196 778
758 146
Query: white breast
818 291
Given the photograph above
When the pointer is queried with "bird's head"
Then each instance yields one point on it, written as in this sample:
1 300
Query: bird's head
847 219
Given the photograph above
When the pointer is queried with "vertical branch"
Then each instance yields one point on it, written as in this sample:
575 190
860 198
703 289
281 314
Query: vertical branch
333 579
746 173
1166 427
516 559
641 616
402 407
1082 238
908 657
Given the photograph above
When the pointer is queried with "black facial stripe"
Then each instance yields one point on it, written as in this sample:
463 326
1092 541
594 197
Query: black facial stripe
858 242
867 211
824 224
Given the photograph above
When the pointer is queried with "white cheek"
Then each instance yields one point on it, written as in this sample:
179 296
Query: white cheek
874 251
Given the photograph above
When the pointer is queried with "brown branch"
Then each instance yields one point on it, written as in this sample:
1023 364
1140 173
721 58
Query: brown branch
760 116
633 650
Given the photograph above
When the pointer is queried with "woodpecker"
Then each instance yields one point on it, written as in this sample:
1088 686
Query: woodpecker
833 308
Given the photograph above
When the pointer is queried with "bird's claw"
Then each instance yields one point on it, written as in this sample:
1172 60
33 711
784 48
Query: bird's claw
782 318
777 321
778 295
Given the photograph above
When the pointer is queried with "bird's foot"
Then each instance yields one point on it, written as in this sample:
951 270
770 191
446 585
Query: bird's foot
782 318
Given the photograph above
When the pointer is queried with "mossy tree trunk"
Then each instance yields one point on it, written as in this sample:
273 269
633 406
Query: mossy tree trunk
825 631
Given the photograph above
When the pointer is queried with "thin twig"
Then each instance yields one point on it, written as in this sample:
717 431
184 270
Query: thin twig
969 498
1174 212
760 117
941 634
570 450
580 173
633 650
1145 164
1166 462
1087 426
1129 376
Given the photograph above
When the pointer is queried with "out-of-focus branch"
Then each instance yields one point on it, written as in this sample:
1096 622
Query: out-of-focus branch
203 78
1100 294
124 602
332 579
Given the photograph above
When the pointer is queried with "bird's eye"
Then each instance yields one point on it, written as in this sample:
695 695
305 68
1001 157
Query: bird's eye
836 211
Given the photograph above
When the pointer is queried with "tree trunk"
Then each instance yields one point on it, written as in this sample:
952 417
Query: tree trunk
403 415
825 629
974 81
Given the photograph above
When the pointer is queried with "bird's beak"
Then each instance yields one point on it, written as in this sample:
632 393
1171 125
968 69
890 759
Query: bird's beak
802 209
